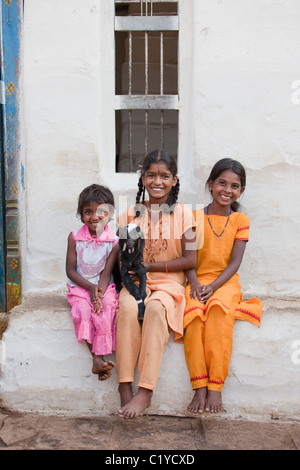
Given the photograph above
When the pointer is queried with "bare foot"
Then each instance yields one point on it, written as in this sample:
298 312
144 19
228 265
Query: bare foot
102 368
125 391
198 402
136 406
214 401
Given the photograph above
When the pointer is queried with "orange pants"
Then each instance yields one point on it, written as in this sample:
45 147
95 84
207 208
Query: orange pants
145 341
208 347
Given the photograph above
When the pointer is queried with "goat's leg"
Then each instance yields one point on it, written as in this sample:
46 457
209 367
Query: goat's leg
142 286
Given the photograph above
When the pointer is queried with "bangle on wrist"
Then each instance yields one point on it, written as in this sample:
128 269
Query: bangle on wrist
166 267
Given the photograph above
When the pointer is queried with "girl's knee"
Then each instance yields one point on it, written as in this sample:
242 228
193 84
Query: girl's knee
155 310
128 307
155 324
81 310
110 296
219 322
194 330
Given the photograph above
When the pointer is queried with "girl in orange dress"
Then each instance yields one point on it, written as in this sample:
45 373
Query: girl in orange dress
168 228
213 294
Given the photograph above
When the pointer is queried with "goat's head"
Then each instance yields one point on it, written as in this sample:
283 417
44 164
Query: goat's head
131 238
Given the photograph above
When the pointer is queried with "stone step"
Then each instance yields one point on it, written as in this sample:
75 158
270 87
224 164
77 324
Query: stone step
45 370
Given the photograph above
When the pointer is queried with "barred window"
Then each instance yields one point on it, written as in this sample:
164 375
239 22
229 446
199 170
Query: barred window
146 80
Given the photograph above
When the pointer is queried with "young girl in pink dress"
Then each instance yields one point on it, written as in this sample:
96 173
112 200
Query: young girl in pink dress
91 255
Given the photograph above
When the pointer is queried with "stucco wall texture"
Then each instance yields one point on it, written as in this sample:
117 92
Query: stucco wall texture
239 82
238 97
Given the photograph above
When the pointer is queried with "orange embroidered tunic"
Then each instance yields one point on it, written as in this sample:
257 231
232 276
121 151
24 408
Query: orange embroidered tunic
163 243
213 256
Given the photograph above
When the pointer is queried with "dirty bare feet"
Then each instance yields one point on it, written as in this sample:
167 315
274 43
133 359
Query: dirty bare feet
136 406
198 402
214 402
125 391
102 368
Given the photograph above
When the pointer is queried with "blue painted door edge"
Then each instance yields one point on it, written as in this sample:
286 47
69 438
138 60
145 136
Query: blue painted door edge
2 184
11 22
2 222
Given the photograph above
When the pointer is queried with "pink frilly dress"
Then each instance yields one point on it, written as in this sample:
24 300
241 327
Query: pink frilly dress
96 329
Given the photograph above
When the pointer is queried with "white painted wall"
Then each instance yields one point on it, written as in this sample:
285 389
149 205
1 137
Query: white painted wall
238 62
62 120
246 60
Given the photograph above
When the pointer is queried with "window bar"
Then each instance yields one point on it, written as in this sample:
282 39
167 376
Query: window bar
130 64
130 140
146 131
146 89
162 137
146 63
161 63
162 88
130 111
141 7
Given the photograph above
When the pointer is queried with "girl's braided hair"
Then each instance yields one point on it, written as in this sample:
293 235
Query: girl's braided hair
157 156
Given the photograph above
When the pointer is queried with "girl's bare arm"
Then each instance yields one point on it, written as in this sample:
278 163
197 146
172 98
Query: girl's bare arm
233 266
73 275
186 261
109 265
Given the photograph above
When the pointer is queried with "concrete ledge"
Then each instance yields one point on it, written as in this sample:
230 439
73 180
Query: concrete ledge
45 370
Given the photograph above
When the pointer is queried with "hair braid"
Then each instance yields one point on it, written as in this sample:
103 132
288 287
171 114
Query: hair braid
173 196
141 192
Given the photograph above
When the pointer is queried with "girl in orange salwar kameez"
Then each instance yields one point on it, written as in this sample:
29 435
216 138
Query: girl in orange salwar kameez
168 228
213 294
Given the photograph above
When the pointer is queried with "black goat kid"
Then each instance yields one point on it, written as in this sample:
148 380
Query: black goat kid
132 244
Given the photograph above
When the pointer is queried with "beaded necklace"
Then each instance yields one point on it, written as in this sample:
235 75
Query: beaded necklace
219 236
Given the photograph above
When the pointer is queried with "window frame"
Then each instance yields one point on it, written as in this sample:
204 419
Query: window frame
124 182
146 22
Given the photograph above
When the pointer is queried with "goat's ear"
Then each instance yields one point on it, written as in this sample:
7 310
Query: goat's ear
122 244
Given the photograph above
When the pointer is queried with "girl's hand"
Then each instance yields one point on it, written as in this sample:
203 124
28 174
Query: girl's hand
146 264
196 290
206 293
98 304
96 298
94 293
